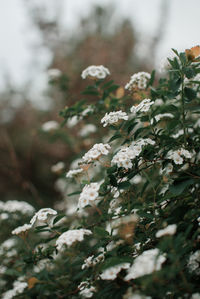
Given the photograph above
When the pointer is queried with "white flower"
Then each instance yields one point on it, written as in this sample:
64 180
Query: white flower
96 152
195 296
85 290
50 126
181 132
130 295
123 158
194 261
87 129
73 121
21 229
158 117
92 261
146 263
169 230
58 167
177 156
95 72
144 106
138 80
88 194
54 73
112 272
71 236
87 111
43 215
18 288
113 117
74 172
13 206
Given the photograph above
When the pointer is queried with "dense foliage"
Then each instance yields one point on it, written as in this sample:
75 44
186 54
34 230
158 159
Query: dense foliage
128 225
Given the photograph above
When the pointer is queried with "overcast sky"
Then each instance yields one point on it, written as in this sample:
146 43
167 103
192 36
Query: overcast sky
17 35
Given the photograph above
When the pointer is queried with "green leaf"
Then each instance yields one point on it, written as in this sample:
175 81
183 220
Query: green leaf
113 261
190 93
116 136
189 72
113 180
100 232
57 218
178 187
124 185
74 193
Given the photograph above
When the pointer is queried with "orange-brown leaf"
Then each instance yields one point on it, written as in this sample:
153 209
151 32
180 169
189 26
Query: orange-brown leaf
32 281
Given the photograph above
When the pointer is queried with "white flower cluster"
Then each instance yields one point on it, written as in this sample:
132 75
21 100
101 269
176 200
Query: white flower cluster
144 106
87 130
50 126
71 236
91 261
169 230
146 263
181 132
13 206
73 173
123 158
95 72
113 117
85 290
194 261
130 295
21 229
96 152
158 117
125 155
18 288
88 194
74 120
54 74
58 167
138 80
112 272
7 247
43 215
178 155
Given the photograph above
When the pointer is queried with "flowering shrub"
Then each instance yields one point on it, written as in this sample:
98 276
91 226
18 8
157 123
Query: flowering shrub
128 225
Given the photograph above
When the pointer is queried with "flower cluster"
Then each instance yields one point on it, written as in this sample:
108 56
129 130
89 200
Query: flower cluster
158 117
54 74
71 236
149 261
95 72
13 206
169 230
88 194
96 152
138 80
18 288
112 272
74 172
123 158
50 126
86 290
21 229
113 117
43 215
178 155
92 261
144 106
58 167
87 129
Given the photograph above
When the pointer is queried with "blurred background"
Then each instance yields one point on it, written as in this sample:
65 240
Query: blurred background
38 35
